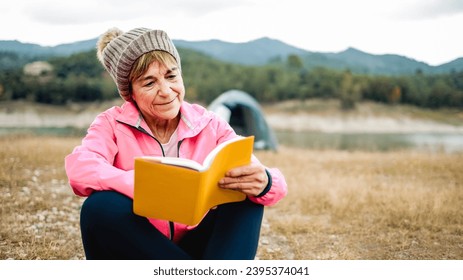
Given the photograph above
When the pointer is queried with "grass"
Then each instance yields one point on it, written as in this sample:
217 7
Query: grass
369 205
39 213
340 205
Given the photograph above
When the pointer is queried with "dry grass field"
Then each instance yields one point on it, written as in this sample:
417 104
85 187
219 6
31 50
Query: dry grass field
341 205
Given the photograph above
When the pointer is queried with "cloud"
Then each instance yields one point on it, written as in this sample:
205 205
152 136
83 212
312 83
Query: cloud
432 9
198 8
87 12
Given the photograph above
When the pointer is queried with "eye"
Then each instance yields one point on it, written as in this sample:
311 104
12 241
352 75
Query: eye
171 77
149 84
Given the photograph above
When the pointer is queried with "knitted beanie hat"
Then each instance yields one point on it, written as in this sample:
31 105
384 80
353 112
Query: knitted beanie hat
118 51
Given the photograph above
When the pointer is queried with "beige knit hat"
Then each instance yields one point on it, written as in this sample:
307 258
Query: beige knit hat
118 51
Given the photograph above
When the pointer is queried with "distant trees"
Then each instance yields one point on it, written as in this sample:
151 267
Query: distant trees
349 91
81 77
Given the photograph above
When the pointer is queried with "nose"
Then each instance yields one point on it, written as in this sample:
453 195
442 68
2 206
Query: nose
164 88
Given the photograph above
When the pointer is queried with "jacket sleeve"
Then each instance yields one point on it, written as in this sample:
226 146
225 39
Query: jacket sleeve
278 188
90 166
276 191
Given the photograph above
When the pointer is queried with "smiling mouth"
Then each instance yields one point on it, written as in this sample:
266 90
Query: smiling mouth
161 104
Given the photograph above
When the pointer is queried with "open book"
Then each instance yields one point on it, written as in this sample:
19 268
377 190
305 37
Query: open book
182 190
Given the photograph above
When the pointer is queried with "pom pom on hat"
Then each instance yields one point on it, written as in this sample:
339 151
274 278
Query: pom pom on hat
104 40
118 51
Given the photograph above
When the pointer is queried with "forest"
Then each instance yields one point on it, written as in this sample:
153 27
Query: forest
81 78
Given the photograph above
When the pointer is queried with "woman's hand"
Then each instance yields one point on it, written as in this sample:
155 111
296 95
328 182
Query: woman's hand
250 179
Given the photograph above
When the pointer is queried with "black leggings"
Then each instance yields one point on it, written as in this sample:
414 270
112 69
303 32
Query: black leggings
110 230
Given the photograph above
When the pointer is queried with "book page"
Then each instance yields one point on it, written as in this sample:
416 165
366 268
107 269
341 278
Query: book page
188 163
182 162
210 157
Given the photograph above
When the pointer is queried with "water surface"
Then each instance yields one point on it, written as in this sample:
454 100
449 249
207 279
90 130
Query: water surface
446 142
435 142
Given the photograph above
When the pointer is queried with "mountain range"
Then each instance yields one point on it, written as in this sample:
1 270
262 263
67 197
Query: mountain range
261 52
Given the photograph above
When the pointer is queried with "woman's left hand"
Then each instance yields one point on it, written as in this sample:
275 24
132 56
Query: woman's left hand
250 179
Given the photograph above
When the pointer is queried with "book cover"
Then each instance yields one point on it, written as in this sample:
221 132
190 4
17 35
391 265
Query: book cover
182 190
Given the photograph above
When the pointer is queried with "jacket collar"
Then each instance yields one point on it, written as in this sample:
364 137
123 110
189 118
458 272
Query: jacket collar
193 119
130 115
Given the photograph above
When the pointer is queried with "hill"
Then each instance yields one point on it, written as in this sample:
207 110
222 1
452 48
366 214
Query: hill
257 52
362 62
35 50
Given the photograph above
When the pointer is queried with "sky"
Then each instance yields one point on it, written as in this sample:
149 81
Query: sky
425 30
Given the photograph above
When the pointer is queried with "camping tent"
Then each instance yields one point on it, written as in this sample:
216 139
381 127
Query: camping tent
244 114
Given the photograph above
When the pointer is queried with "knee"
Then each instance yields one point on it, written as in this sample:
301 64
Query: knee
245 208
251 207
105 205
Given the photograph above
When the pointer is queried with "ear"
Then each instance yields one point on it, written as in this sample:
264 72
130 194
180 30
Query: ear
132 96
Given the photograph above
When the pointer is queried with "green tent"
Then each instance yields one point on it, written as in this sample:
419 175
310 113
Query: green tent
245 115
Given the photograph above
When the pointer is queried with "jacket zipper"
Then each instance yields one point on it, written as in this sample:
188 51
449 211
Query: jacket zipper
171 224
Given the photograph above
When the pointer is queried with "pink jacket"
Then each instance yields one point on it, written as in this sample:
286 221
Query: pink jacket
105 159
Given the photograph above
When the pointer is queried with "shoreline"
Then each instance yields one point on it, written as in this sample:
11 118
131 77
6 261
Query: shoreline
23 114
356 124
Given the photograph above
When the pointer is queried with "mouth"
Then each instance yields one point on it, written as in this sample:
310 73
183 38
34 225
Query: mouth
166 103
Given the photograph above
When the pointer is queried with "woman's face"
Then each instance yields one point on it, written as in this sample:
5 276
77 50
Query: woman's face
159 92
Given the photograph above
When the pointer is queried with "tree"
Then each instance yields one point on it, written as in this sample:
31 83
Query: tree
349 91
295 62
395 95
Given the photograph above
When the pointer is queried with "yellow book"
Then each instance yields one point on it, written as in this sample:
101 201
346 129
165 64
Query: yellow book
182 190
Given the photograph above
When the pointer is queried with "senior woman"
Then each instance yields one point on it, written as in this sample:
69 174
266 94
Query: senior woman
156 120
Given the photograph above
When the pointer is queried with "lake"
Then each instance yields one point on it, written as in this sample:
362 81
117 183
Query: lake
445 142
433 142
